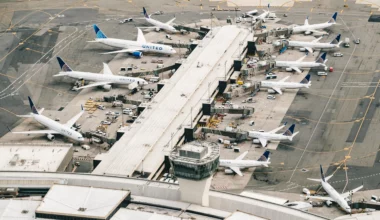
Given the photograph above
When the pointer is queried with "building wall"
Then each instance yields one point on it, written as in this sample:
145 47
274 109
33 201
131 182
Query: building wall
66 162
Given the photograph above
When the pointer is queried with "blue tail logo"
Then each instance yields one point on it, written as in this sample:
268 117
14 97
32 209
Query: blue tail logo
98 32
290 130
322 175
145 13
333 18
34 109
265 156
306 80
322 58
336 40
63 65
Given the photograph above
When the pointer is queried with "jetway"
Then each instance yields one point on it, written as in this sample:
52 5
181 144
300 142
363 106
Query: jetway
238 135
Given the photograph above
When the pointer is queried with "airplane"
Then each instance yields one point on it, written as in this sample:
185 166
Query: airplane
234 166
262 16
310 46
277 86
135 48
296 65
312 28
105 80
334 196
158 25
53 126
264 137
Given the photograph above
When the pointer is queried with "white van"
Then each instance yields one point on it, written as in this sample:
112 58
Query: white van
85 147
154 79
322 74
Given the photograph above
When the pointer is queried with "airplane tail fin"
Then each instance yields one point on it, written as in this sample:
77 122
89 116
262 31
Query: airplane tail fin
306 80
322 58
290 130
145 13
265 156
336 40
98 32
333 18
34 109
322 175
63 65
306 21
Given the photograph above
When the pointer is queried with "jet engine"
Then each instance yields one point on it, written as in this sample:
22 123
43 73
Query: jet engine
50 137
271 91
328 203
228 171
308 32
107 87
256 141
137 54
302 49
157 29
289 69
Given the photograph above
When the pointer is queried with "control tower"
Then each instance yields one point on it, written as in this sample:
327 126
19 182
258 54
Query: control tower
194 165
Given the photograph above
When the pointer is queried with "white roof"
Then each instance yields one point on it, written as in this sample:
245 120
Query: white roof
127 214
148 140
32 157
264 197
241 215
18 209
67 200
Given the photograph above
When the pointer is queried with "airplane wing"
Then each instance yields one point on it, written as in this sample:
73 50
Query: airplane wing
242 156
318 32
263 141
309 49
236 170
319 180
325 198
140 36
277 129
300 59
169 22
347 194
129 50
36 132
94 84
106 69
72 121
278 90
296 69
317 40
284 79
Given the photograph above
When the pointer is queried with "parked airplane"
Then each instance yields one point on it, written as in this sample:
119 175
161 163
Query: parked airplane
105 80
334 196
312 28
266 14
277 86
234 166
135 48
310 46
264 137
53 126
296 65
158 25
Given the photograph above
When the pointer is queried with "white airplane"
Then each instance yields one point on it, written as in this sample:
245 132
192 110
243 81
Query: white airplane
158 25
296 65
105 80
234 166
250 13
310 46
264 137
312 28
277 86
262 16
53 126
334 196
135 48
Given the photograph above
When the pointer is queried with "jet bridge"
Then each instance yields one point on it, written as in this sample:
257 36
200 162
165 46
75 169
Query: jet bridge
237 135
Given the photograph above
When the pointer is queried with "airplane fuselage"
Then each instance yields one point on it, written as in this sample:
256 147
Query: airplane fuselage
113 79
286 64
312 45
243 163
336 196
311 27
268 136
60 128
161 25
145 47
283 85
